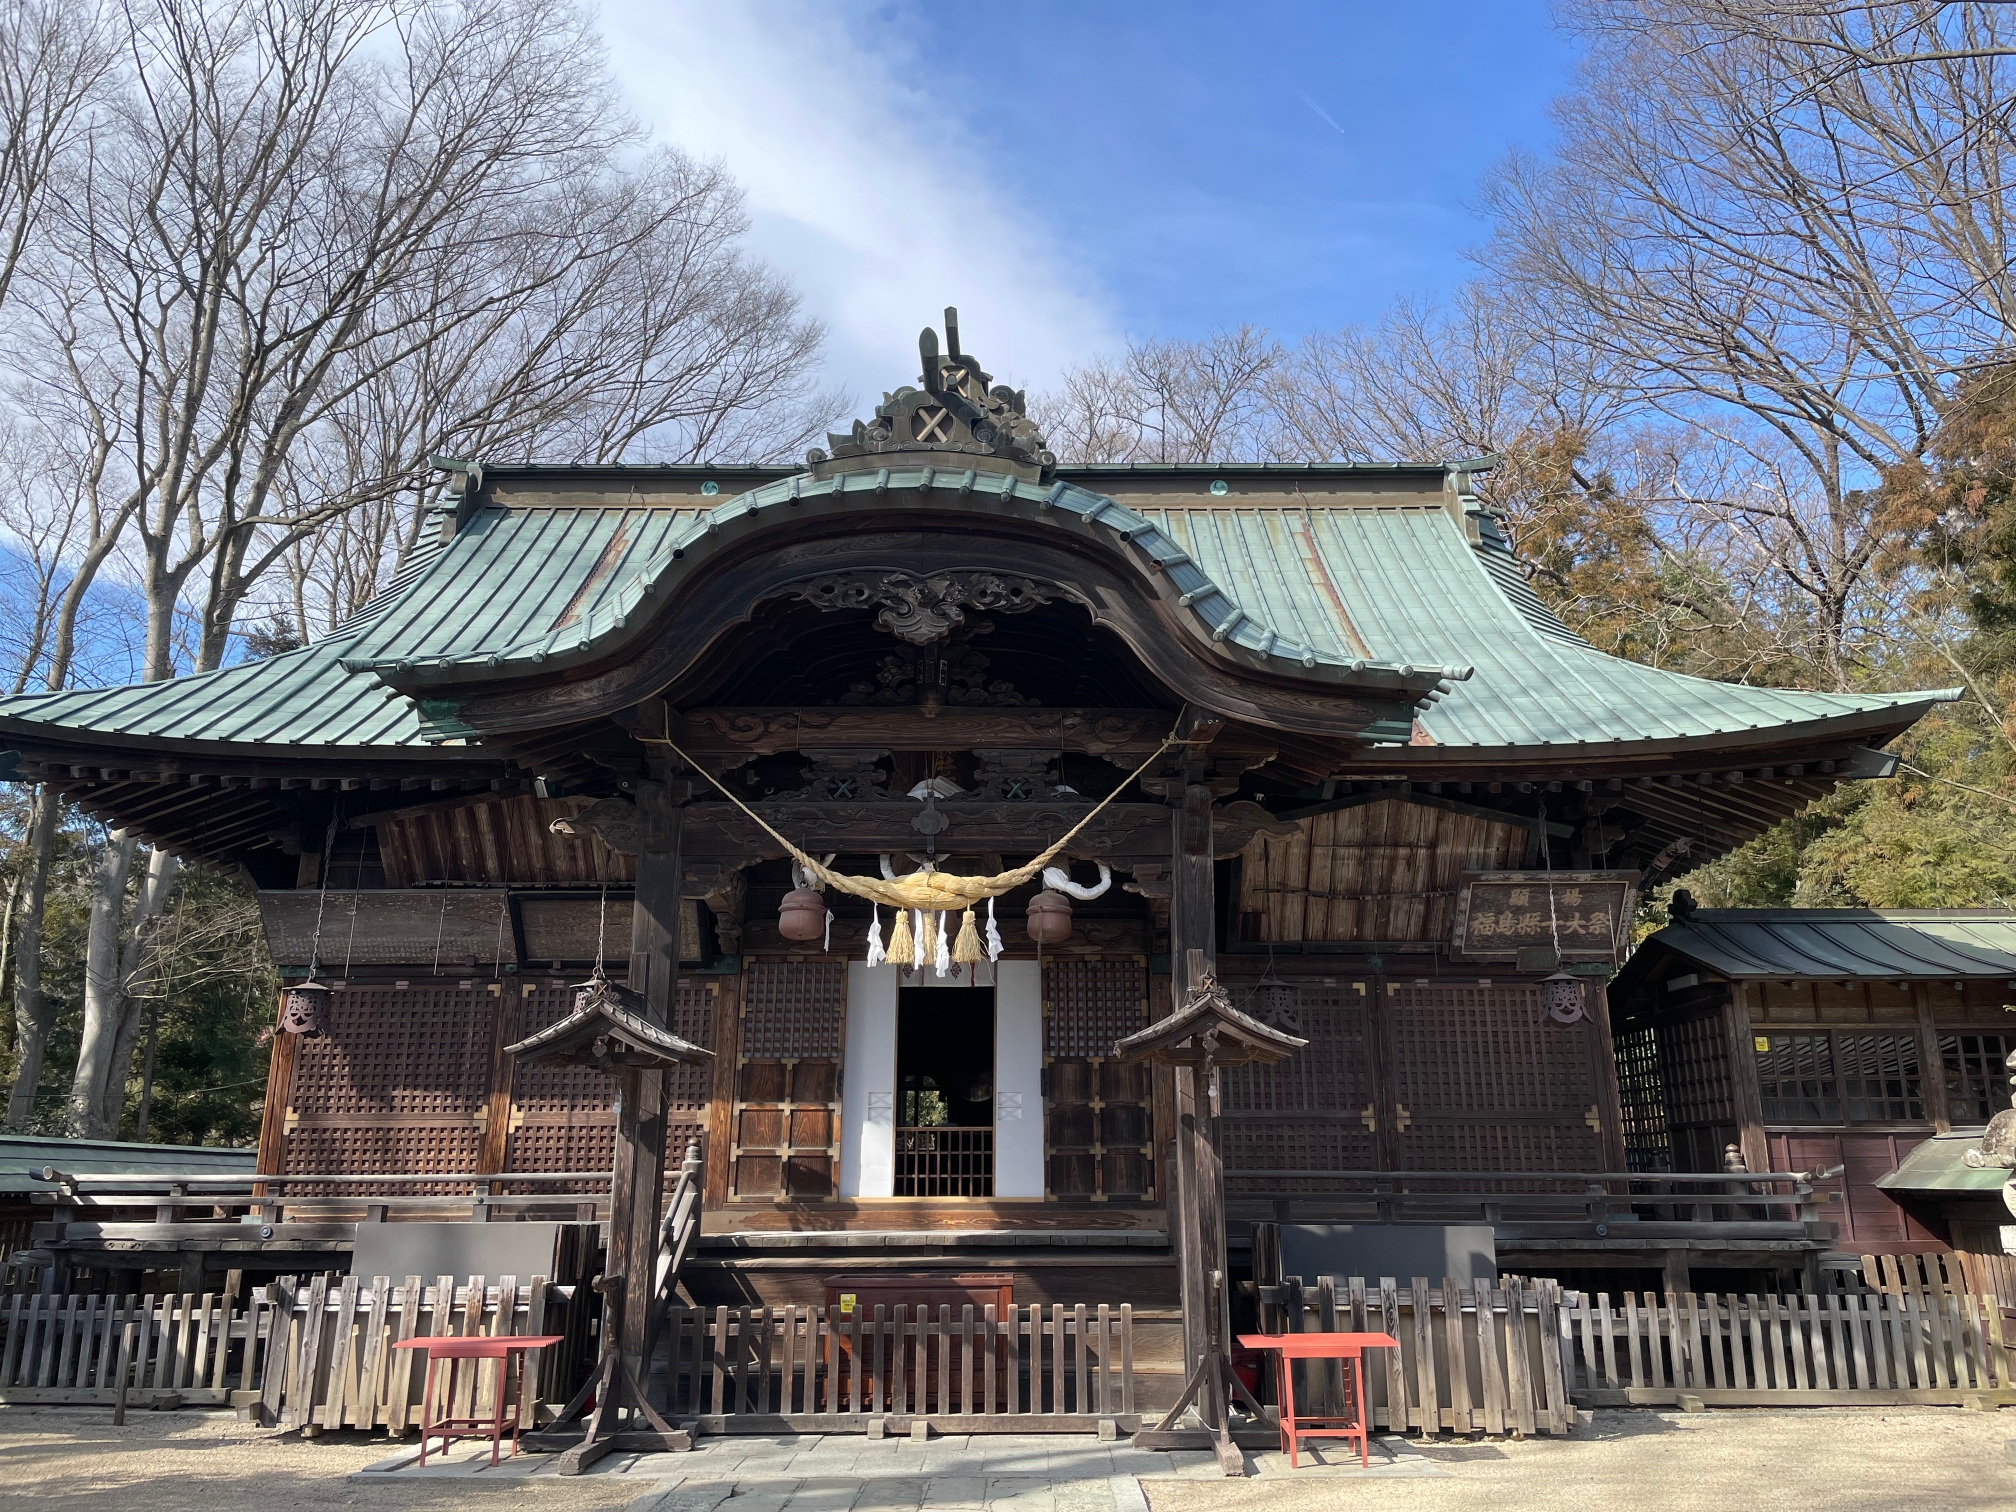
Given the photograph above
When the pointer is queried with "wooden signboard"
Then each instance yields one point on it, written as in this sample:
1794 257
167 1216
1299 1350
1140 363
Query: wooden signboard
1498 914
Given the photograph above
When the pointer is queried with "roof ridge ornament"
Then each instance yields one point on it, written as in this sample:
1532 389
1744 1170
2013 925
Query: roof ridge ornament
959 409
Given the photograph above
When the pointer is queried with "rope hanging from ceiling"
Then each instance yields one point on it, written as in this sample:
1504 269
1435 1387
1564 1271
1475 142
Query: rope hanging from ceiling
926 892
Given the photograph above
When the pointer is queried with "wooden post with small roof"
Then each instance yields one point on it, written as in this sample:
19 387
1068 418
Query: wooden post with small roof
1205 1033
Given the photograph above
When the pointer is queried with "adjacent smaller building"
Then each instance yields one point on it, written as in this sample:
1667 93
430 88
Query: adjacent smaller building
1821 1039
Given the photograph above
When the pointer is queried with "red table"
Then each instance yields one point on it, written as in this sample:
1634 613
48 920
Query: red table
1346 1347
509 1350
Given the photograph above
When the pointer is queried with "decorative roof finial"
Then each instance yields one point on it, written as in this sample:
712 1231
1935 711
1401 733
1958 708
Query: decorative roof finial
959 410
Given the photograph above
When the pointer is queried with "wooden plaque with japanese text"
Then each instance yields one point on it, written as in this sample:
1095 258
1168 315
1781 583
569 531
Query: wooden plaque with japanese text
1498 914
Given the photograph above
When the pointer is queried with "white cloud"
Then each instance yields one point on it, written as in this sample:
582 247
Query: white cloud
867 188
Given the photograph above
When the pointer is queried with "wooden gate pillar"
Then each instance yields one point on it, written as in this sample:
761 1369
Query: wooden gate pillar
1193 915
636 1194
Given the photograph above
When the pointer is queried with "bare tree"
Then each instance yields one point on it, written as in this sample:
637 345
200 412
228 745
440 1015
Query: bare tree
1794 254
311 243
1170 401
54 56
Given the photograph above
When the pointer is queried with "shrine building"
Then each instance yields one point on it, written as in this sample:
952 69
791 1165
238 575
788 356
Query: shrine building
1310 720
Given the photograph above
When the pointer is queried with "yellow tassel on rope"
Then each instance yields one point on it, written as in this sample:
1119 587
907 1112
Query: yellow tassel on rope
901 945
967 952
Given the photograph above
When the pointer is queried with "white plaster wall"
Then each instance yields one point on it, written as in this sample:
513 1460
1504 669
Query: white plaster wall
1018 1079
868 1084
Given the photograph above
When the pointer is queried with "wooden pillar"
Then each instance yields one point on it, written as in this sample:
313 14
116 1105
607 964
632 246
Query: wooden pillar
1931 1064
636 1195
1193 948
1744 1092
272 1159
1609 1101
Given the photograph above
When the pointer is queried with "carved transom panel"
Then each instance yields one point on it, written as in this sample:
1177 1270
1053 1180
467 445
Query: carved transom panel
921 610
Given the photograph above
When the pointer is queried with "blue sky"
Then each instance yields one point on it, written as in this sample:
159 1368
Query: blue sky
1070 175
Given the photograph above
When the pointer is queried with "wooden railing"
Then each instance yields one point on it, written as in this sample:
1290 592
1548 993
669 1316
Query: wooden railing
376 1195
1840 1349
944 1160
790 1369
1474 1357
1783 1199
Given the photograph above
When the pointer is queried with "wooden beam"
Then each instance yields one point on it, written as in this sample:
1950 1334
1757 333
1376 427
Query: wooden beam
743 733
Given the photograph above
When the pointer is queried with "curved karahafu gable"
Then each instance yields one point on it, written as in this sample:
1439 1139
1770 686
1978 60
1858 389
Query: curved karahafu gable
1355 631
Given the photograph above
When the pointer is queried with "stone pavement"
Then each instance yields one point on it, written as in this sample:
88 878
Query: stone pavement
836 1473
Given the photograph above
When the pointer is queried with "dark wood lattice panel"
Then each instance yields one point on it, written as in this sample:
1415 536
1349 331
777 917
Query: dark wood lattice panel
1486 1051
1087 1005
1694 1065
1484 1081
1096 1112
563 1118
1483 1145
588 1146
362 1149
415 1050
1641 1096
1332 1074
793 1010
1284 1144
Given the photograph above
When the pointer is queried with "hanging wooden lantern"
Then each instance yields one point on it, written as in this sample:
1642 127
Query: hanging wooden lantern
1049 918
1277 1004
1561 995
304 1010
802 915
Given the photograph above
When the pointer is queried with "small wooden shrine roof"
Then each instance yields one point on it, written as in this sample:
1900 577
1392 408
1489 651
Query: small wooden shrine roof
1830 945
607 1034
1239 1037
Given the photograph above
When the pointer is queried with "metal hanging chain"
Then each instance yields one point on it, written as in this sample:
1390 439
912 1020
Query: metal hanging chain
322 901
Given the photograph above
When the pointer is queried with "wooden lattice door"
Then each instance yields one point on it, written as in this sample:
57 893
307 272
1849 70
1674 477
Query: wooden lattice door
1313 1111
400 1083
1098 1144
563 1118
786 1127
1483 1080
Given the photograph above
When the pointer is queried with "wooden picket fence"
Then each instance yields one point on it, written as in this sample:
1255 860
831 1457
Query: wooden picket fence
1836 1349
777 1369
67 1349
1473 1358
295 1354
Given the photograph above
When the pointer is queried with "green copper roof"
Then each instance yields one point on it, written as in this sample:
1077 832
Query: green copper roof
1833 944
1403 584
1391 592
587 577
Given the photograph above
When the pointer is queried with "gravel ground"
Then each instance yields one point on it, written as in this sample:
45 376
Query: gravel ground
1922 1460
1818 1460
71 1459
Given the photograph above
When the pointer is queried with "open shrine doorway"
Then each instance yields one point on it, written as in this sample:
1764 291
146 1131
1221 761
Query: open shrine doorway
957 1030
944 1092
